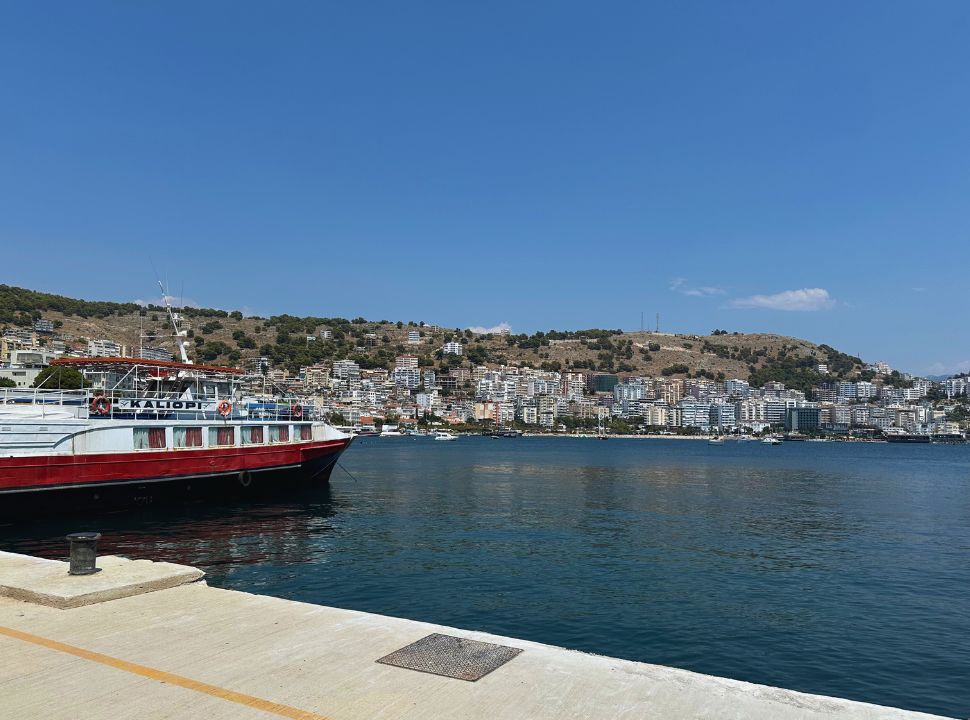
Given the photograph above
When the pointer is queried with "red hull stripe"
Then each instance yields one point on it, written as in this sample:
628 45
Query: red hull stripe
47 472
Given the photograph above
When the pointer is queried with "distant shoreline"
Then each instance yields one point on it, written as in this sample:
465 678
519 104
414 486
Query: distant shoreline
612 436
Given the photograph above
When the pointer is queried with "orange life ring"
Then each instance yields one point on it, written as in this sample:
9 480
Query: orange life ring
224 408
100 405
296 410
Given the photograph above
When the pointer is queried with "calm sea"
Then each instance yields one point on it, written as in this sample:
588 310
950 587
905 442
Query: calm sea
825 567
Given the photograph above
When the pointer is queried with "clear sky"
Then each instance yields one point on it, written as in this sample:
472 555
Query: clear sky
791 167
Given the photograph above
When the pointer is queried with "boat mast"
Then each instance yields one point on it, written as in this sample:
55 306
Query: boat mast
180 335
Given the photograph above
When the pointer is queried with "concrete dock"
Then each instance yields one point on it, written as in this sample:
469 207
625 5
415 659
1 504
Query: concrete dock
152 640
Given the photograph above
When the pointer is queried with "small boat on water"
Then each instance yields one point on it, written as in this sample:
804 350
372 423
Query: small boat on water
443 435
391 431
715 441
771 440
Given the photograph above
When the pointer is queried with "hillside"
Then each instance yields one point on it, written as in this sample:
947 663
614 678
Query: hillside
218 336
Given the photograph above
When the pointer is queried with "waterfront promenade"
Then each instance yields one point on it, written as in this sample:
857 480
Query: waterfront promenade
131 641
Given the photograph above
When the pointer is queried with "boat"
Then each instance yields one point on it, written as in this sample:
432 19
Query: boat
443 435
390 431
715 441
905 437
948 438
601 429
147 429
503 433
771 440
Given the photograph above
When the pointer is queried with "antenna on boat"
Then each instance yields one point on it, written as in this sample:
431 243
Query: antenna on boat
180 334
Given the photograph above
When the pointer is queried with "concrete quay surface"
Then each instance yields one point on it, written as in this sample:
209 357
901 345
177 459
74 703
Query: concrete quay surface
189 651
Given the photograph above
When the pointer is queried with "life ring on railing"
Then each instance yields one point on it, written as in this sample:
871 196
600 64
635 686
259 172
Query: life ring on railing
224 408
296 410
100 405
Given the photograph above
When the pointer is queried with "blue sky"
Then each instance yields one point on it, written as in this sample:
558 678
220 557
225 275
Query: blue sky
800 168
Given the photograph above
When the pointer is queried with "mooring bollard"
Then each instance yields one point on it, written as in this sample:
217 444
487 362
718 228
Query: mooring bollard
84 552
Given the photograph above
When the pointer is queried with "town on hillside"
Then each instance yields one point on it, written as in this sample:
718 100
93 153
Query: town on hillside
446 384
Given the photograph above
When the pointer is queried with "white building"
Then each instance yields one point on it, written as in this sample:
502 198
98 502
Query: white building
346 370
453 348
104 348
695 414
414 337
409 362
629 392
405 377
865 390
722 416
153 353
955 386
847 390
737 388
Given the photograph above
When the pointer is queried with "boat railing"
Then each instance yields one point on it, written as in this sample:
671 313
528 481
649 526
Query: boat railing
42 396
140 405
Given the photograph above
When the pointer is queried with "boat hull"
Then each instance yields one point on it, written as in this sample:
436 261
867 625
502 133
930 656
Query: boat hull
140 478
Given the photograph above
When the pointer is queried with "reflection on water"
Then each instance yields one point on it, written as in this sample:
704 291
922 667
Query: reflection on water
836 569
218 538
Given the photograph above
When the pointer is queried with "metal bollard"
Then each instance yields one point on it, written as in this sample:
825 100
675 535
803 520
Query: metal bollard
84 552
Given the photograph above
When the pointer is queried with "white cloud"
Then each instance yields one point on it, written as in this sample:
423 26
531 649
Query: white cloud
680 285
501 327
803 300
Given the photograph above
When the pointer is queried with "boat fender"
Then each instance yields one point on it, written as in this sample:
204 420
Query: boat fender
224 408
100 405
245 479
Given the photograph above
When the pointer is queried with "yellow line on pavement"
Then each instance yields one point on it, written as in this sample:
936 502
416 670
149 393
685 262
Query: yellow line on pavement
164 677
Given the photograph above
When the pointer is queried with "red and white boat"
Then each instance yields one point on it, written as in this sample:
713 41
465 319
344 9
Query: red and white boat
147 422
144 427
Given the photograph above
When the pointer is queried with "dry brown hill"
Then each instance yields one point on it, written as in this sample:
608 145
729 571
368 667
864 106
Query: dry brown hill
224 337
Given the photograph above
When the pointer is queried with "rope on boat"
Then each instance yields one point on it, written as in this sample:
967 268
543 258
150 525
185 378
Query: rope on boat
346 471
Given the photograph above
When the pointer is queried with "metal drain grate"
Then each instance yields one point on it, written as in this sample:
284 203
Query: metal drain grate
452 657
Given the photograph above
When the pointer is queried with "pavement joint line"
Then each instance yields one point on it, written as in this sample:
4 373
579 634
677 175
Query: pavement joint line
165 677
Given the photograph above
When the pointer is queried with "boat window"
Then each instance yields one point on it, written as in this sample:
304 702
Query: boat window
222 436
149 438
188 437
252 434
279 433
306 432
